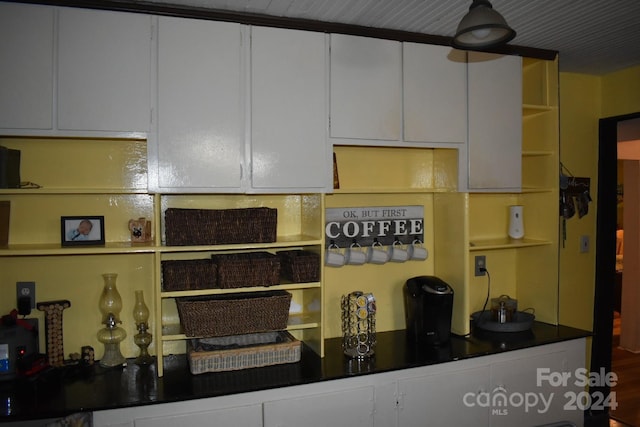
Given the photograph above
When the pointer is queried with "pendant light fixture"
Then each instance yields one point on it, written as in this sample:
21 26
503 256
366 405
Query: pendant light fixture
482 27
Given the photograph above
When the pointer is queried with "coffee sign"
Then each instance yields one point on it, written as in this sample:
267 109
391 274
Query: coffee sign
364 225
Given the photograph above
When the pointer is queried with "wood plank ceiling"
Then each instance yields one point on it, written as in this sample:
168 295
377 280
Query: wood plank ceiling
592 36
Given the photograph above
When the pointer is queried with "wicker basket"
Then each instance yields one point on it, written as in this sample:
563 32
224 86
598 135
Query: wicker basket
242 351
300 266
234 314
184 227
185 275
247 269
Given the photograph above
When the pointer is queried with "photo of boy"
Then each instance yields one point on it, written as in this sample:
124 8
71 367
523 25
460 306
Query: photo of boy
81 232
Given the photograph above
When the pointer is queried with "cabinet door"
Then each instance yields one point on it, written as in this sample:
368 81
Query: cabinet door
366 88
289 148
200 142
525 402
26 74
349 408
104 61
244 416
435 93
495 122
447 399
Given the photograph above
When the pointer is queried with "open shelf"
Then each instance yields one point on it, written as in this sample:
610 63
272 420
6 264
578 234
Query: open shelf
531 110
298 321
538 153
505 243
202 292
281 242
70 190
393 170
56 249
299 226
390 190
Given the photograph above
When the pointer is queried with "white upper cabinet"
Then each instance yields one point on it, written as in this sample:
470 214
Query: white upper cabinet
289 150
435 94
495 122
200 118
104 61
26 74
366 88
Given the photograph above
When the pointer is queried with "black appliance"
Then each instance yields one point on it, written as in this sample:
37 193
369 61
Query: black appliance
428 303
18 348
9 168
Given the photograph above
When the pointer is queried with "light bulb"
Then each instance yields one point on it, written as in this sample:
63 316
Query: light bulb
481 33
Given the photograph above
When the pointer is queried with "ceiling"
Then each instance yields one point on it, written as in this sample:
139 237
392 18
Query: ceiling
592 36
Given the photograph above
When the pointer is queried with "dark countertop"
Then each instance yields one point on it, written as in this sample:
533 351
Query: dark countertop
64 391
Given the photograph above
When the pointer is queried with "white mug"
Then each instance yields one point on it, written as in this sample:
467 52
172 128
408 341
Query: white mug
417 251
376 254
397 253
355 255
333 256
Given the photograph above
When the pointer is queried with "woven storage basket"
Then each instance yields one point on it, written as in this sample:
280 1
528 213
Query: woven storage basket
191 274
300 266
247 269
234 314
184 227
242 351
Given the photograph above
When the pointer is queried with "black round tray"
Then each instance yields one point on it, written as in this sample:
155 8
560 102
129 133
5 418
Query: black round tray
521 321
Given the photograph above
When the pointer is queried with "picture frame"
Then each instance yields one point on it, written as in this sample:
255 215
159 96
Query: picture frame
85 230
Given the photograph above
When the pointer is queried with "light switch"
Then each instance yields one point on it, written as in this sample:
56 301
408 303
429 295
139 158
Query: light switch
584 244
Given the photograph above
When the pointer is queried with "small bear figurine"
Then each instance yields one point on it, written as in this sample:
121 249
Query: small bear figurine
140 230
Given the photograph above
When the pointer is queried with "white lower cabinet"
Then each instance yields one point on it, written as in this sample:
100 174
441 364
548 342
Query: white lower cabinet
527 403
504 389
241 416
496 391
348 408
447 399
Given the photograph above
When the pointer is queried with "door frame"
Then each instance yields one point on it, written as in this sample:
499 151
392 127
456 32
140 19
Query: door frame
602 341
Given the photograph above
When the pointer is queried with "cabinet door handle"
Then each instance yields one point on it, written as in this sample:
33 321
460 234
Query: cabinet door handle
500 389
400 400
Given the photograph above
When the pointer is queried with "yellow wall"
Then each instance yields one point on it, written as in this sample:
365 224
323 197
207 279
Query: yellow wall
583 101
621 92
579 114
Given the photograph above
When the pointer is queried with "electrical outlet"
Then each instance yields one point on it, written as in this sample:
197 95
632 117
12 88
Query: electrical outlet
26 289
481 264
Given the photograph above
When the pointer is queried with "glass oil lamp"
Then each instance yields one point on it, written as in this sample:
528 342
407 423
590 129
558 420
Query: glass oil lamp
111 335
143 338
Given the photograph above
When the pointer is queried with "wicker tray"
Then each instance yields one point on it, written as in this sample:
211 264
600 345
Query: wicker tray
191 274
247 269
234 314
300 266
184 227
242 352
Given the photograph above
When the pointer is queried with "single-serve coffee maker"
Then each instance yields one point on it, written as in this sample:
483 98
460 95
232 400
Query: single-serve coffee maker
428 303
